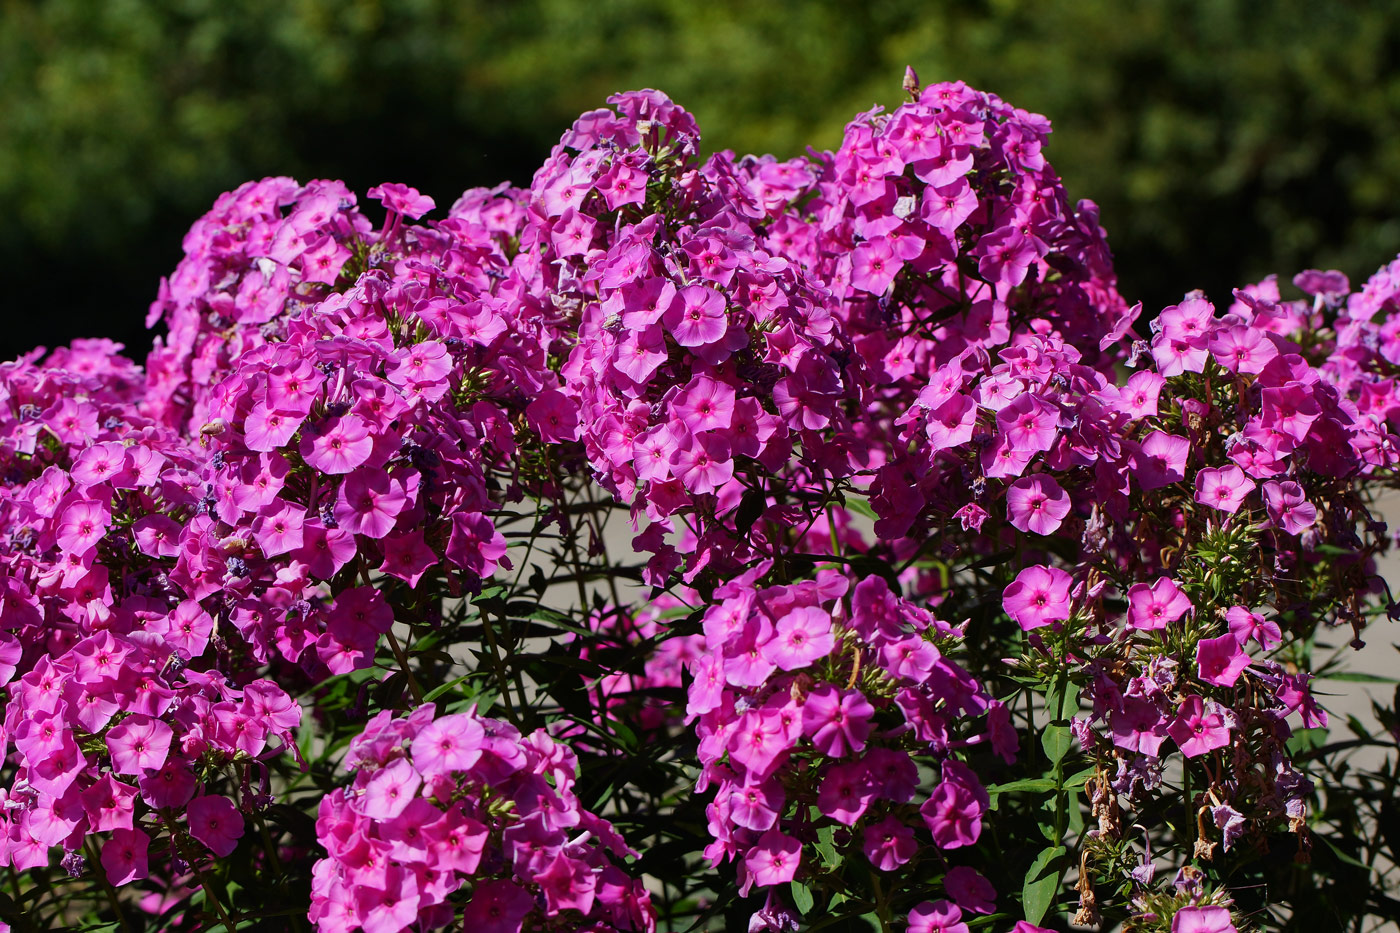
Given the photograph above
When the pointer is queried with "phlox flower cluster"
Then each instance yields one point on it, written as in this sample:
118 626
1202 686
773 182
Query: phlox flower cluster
820 696
1137 524
439 802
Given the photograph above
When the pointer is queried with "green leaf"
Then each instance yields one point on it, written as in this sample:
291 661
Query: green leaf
1062 700
1042 883
802 898
1079 779
438 691
1056 740
1031 785
826 846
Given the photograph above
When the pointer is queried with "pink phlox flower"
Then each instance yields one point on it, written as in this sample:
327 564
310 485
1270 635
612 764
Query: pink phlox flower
1029 423
1242 349
426 363
1197 730
774 859
948 206
1005 257
1296 696
758 742
266 429
951 424
936 917
696 316
139 744
401 199
553 417
1156 606
340 445
407 556
756 806
1290 409
1220 660
705 404
953 810
1138 398
101 463
970 890
1139 726
572 233
874 266
172 785
846 790
497 907
82 524
370 502
803 636
1223 488
1038 596
216 822
1161 460
476 545
1288 507
390 790
889 844
837 721
321 262
703 463
1206 919
641 353
124 856
278 529
1036 504
449 744
110 804
1246 625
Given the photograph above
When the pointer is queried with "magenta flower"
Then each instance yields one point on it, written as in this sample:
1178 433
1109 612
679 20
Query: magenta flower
803 635
139 744
1036 504
448 744
1198 730
1038 597
705 404
1029 423
696 317
847 788
216 822
278 530
1209 919
497 907
970 890
1246 625
1161 460
936 917
889 844
953 810
390 790
874 266
1242 349
773 859
553 417
369 503
401 199
1138 397
124 856
1156 606
703 463
1220 660
836 720
1288 507
1223 488
339 446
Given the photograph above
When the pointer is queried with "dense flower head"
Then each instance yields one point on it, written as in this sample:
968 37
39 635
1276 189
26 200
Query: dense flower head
840 398
439 801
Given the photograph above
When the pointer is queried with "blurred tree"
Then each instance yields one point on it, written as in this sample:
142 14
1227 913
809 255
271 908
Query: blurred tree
1223 140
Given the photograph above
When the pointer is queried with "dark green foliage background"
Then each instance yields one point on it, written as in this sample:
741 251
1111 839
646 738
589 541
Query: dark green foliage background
1223 139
